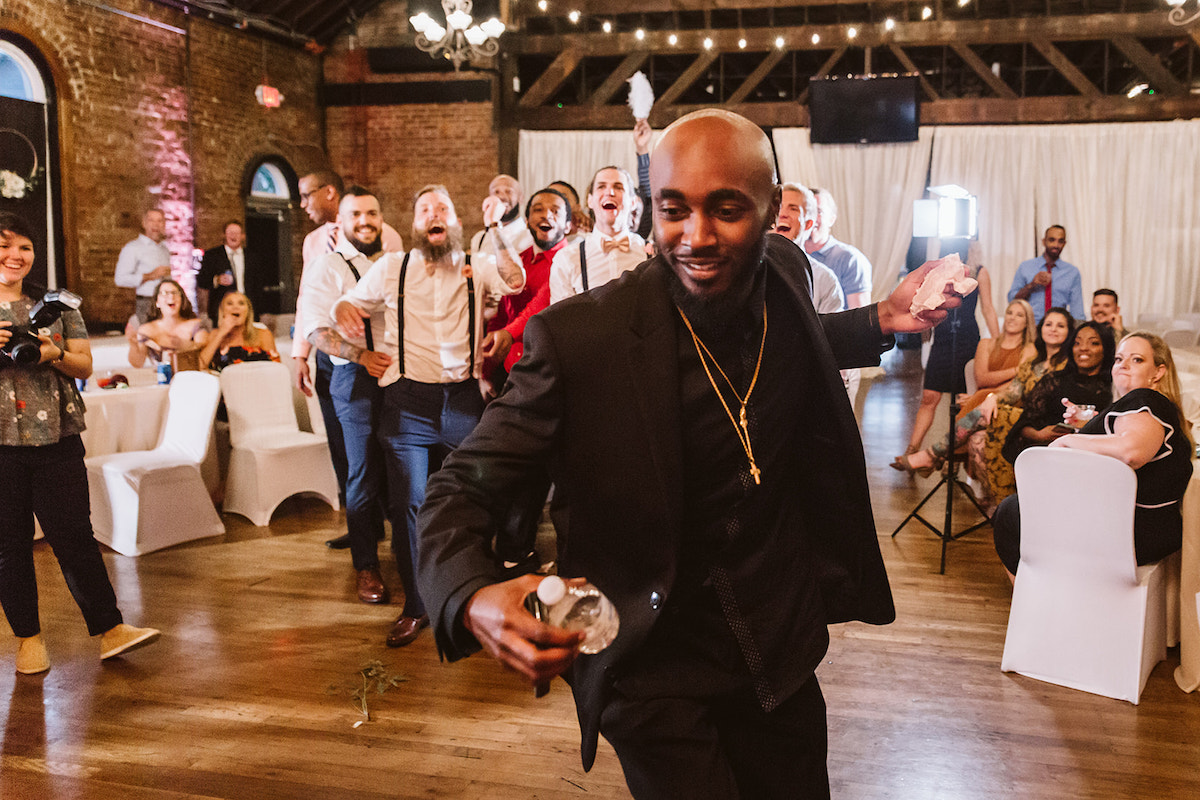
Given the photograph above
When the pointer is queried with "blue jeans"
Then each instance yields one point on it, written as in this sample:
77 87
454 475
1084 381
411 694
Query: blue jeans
356 399
51 482
419 425
333 428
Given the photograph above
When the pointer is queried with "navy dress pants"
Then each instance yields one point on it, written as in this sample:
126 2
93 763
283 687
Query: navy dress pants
419 425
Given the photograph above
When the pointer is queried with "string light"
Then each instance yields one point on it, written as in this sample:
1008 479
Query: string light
779 42
851 32
639 34
816 37
741 44
574 17
962 3
889 24
607 26
543 5
926 12
708 43
672 40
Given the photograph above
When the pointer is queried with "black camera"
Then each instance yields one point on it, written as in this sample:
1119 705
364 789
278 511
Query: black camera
24 347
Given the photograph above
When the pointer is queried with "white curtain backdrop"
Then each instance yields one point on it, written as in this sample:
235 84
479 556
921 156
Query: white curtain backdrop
874 186
572 156
998 166
1126 192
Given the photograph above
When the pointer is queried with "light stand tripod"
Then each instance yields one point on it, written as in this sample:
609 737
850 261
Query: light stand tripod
950 477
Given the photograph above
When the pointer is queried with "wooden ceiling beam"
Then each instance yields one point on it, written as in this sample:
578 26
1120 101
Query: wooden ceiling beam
1065 68
985 111
1084 27
622 73
756 77
690 75
1149 65
972 60
612 8
548 82
834 57
903 58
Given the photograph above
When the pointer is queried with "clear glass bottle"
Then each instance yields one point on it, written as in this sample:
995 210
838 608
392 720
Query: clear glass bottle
577 606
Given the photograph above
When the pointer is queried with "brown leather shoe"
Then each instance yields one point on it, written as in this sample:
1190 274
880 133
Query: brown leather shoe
405 629
370 586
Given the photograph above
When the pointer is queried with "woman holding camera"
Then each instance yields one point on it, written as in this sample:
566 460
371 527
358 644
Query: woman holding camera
41 461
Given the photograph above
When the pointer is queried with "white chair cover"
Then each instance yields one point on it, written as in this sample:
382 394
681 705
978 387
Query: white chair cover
1083 615
270 458
146 500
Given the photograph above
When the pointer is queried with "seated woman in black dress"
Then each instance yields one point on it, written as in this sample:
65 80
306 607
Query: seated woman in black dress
1086 379
238 337
1145 428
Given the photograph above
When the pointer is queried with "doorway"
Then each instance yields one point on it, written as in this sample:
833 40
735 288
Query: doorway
270 281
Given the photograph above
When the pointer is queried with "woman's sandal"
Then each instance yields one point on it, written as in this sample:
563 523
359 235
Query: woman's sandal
902 464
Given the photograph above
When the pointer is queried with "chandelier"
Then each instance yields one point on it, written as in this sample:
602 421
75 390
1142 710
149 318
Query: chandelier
461 40
1178 15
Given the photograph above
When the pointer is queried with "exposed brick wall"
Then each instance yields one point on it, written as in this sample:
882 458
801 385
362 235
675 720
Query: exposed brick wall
395 150
155 117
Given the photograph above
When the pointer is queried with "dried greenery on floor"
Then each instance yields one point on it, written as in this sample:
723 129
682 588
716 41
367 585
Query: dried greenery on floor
375 680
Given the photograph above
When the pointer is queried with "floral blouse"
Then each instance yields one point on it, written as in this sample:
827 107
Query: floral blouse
38 404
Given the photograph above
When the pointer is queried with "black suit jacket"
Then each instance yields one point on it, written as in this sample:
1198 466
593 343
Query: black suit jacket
596 397
214 264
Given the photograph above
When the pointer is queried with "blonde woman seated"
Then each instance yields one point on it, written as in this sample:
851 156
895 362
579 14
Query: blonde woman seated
996 363
237 337
172 328
1145 428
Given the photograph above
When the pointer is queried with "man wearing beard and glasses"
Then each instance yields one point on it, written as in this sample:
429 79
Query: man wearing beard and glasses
431 301
716 488
357 365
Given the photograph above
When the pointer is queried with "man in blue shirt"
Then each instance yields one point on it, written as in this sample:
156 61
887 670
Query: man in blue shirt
1049 281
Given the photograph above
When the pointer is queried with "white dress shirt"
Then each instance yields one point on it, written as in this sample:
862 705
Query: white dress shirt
324 282
566 276
436 339
516 233
237 260
139 257
319 241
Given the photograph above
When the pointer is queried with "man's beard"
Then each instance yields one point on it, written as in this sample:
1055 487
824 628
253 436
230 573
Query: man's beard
718 314
546 244
436 252
361 246
510 215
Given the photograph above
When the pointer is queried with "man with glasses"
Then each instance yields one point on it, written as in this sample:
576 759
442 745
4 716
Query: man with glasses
320 194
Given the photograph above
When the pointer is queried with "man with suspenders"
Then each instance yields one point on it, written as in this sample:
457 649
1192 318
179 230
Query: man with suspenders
610 249
353 383
431 298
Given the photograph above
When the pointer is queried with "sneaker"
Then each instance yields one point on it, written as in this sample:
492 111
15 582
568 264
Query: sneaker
31 655
123 638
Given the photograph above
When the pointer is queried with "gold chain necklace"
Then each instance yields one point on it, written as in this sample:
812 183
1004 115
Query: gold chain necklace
741 425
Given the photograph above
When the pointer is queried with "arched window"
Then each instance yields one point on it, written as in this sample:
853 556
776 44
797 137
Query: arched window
19 76
28 136
269 181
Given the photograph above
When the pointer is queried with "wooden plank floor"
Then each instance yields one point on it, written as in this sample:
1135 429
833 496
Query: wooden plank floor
249 692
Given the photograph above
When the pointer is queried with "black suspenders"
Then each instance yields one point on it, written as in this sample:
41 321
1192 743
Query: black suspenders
357 278
470 315
583 263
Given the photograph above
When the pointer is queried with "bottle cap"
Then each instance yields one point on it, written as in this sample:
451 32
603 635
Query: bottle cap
551 590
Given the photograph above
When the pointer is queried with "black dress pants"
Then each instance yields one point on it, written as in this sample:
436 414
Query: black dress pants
51 482
685 721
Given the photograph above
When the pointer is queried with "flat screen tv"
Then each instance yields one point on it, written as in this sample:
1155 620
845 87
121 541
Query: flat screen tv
860 110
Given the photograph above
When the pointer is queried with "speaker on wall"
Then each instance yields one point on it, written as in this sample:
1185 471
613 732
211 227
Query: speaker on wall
864 109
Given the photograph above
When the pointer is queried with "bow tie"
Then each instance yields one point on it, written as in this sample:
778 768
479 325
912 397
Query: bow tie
615 243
